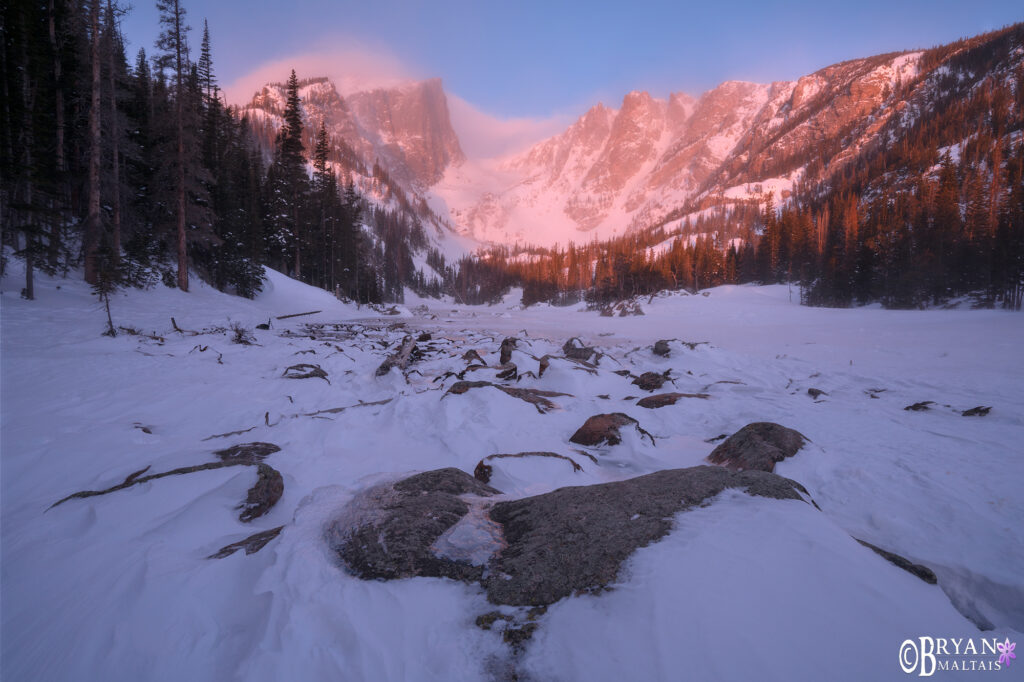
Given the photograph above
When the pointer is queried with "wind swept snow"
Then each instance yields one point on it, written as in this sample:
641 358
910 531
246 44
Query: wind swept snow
120 587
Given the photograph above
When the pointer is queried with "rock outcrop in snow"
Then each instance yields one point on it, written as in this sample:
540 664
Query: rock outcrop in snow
757 446
535 550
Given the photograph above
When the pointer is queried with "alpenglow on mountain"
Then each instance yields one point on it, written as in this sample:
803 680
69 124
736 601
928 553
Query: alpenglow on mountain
620 169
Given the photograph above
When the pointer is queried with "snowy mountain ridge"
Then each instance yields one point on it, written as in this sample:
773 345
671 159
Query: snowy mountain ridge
616 170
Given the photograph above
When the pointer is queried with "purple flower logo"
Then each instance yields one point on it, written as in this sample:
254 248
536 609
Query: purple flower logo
1006 651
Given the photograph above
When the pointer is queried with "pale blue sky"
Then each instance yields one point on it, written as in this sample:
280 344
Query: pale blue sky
523 58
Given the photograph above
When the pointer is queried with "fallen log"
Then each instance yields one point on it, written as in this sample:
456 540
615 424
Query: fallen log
400 358
285 317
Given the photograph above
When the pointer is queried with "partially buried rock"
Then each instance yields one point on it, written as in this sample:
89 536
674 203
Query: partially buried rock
815 393
757 446
576 539
923 572
651 381
505 352
661 348
979 411
538 549
662 399
264 495
251 544
604 428
250 453
390 530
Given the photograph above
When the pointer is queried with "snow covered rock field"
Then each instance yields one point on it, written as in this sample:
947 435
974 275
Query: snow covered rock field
139 584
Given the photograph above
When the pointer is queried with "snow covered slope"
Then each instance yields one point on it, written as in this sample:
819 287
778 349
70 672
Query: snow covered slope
119 586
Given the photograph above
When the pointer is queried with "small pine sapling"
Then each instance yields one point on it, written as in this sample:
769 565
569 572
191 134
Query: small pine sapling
108 280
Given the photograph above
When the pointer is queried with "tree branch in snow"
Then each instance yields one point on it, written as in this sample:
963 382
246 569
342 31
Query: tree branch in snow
305 371
483 471
400 358
260 499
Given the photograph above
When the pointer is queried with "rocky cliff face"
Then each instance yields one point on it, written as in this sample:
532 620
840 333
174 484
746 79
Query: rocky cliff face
616 170
410 128
406 129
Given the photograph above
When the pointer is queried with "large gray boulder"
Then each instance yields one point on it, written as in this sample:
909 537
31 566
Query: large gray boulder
575 539
757 446
537 549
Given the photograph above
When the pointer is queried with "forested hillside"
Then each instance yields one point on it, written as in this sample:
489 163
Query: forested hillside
138 170
931 210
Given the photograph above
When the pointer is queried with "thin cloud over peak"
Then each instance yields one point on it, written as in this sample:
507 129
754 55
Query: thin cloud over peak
351 69
360 68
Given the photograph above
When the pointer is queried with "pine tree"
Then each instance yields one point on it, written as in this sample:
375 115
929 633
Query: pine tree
205 65
172 42
288 186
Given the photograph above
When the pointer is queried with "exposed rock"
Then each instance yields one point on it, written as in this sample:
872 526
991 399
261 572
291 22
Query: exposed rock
922 572
249 453
604 428
661 348
264 494
651 381
575 539
424 337
251 544
472 356
575 350
487 620
551 546
979 411
922 406
517 635
662 399
388 531
757 446
507 346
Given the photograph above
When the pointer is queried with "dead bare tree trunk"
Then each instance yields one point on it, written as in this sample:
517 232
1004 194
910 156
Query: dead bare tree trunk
28 100
114 134
179 96
60 163
92 223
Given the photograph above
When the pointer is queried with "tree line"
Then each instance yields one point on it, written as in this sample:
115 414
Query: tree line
140 173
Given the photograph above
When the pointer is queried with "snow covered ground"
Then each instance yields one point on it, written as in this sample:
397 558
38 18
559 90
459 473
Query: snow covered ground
119 586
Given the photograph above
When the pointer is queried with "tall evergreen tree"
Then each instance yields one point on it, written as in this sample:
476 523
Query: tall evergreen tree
288 186
172 44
